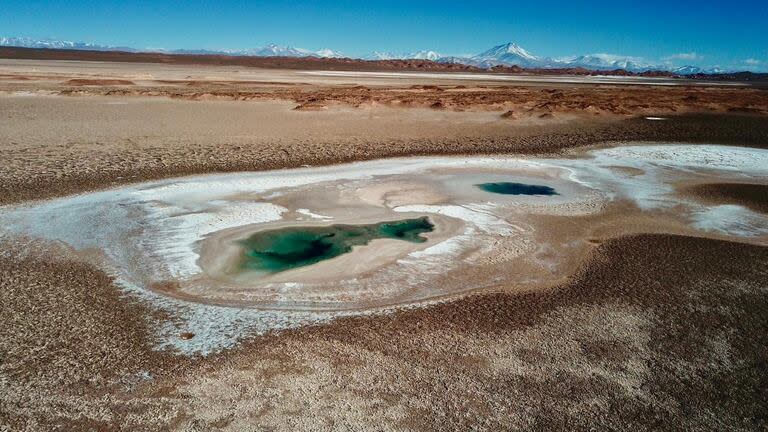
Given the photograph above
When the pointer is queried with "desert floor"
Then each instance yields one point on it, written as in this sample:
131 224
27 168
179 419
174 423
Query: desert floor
651 331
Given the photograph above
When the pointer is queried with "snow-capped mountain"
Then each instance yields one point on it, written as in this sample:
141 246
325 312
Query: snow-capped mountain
329 53
426 55
692 70
607 61
384 55
688 70
272 50
25 42
416 55
508 54
511 54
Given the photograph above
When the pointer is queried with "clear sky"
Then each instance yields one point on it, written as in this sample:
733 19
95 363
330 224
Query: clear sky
702 32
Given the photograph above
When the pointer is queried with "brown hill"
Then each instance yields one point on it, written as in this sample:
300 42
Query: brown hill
227 60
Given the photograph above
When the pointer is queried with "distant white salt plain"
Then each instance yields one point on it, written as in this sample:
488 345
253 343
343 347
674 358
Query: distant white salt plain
558 79
161 224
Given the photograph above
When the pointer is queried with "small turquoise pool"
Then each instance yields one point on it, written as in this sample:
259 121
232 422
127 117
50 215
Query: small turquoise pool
288 248
511 188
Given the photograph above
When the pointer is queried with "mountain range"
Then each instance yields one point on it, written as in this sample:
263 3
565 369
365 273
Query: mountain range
510 54
270 50
507 54
417 55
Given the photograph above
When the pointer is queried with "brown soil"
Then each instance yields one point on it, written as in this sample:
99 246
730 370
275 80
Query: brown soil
57 146
604 100
526 100
68 337
261 62
752 196
655 332
97 82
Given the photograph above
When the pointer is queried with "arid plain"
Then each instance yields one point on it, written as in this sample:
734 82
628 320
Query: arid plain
634 317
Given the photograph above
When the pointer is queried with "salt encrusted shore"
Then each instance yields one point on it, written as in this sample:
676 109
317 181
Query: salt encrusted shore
153 234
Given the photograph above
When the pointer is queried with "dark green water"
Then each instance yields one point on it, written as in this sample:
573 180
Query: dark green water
510 188
288 248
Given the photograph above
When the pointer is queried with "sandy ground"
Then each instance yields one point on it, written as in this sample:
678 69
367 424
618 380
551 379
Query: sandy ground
246 119
651 332
752 196
87 72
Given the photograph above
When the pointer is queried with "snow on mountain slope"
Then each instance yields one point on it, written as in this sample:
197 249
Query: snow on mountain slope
267 50
417 55
329 53
508 51
26 42
274 50
607 61
426 55
507 54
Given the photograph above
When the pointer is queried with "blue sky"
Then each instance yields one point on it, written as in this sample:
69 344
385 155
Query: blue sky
683 32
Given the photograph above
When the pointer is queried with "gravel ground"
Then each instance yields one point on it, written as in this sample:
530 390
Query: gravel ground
654 332
752 196
66 158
